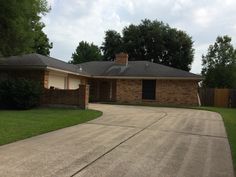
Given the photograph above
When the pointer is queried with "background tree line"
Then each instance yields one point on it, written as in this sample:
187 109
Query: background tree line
149 40
158 42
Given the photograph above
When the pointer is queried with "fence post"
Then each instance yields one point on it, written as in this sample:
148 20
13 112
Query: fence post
83 96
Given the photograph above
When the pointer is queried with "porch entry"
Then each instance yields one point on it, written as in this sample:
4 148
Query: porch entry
149 89
102 90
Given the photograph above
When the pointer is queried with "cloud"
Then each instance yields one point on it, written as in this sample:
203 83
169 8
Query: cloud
203 16
72 21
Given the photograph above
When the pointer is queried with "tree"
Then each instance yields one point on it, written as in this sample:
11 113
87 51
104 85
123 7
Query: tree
153 40
218 64
86 52
41 41
111 45
20 27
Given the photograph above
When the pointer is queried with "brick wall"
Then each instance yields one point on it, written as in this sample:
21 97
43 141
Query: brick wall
83 96
175 92
122 58
77 97
128 90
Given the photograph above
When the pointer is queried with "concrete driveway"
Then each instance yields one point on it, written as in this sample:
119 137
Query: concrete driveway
126 141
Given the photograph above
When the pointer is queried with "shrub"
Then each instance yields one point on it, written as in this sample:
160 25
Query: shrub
19 94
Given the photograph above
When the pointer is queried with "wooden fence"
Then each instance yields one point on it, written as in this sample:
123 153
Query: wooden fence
218 97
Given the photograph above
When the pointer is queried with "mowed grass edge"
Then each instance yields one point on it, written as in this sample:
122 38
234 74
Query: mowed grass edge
18 125
229 118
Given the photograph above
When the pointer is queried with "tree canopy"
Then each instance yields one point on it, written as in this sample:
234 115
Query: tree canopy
112 44
86 52
21 29
219 64
152 41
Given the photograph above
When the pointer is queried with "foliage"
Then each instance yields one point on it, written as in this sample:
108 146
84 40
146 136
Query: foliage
86 52
152 40
41 42
21 29
17 125
19 93
219 64
112 44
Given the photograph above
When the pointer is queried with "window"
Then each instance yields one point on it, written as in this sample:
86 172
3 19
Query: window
149 89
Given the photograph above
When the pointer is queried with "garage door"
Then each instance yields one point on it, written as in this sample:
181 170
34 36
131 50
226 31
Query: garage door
74 83
57 81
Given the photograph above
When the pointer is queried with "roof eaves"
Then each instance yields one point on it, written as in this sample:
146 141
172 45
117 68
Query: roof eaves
66 71
22 67
152 77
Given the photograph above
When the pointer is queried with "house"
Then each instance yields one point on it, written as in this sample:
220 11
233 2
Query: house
118 81
140 81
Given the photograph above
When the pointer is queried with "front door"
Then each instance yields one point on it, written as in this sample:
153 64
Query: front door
149 90
105 88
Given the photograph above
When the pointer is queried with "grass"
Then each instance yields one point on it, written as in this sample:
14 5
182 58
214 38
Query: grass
229 117
18 125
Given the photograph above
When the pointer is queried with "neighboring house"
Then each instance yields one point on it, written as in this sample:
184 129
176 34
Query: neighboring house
120 80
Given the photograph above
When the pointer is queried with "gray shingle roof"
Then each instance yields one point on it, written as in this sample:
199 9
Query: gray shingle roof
38 61
140 69
134 69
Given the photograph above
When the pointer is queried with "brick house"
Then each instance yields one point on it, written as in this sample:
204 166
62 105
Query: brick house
118 81
141 81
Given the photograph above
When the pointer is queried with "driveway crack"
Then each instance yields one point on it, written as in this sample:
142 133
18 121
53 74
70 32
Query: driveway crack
125 140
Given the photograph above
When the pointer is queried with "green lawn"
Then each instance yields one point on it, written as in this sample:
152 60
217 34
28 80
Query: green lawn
17 125
229 117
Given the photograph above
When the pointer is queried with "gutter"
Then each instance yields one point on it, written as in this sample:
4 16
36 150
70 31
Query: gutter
153 77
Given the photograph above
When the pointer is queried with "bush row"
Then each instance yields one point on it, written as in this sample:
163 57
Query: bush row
19 94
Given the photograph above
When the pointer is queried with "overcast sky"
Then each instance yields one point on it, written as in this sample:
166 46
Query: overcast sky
71 21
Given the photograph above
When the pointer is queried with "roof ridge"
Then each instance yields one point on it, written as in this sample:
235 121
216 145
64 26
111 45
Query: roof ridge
39 55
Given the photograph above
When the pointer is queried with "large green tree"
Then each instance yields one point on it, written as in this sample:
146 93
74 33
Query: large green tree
21 29
86 52
112 44
219 68
152 40
41 41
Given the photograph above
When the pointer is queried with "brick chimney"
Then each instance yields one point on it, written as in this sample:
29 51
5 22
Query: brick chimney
122 58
